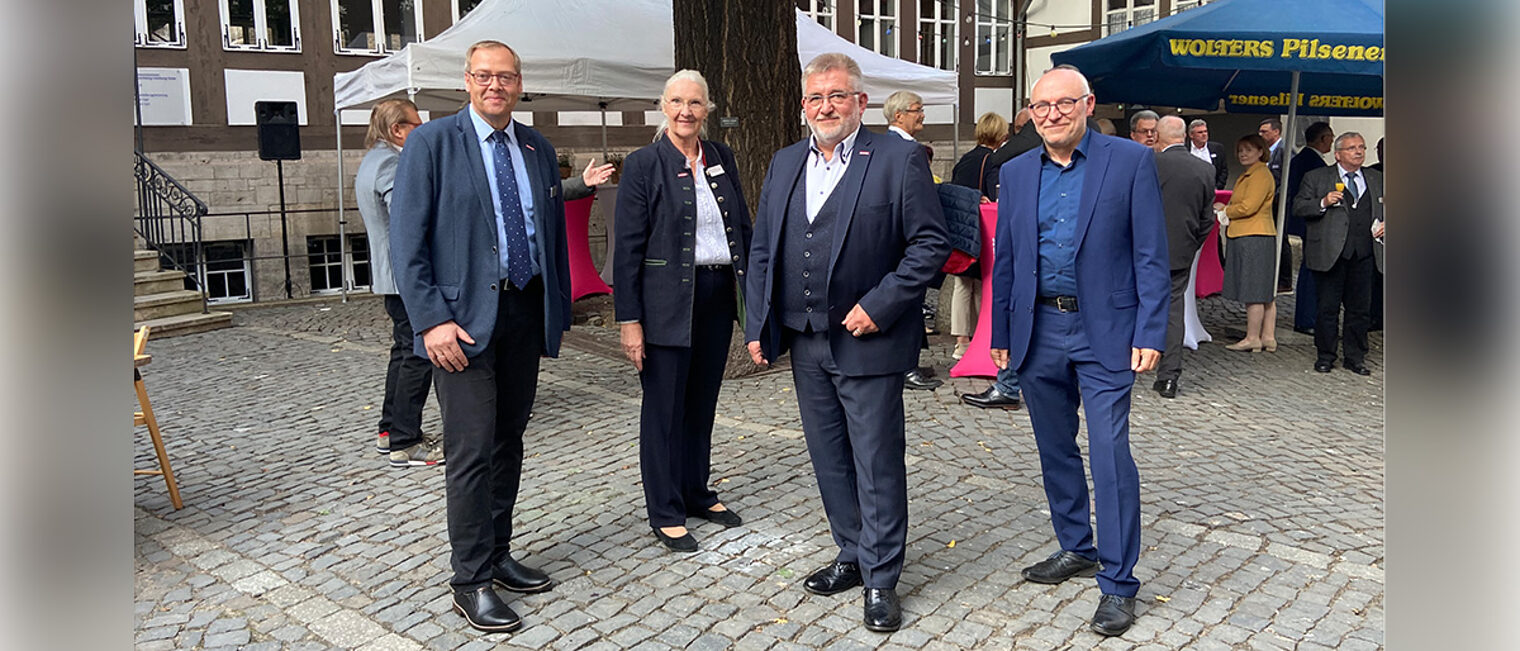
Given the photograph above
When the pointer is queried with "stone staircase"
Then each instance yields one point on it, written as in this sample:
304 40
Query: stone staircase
159 299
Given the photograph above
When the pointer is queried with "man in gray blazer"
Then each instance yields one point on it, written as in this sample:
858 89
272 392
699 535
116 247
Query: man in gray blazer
1341 203
1187 200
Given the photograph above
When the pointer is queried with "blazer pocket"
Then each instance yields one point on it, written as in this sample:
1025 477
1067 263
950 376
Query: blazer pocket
450 292
1124 298
654 262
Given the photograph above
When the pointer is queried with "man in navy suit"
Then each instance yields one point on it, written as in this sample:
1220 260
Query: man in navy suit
478 244
848 235
1080 294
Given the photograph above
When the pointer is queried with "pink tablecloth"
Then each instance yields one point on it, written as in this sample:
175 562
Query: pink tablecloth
976 362
1210 278
584 279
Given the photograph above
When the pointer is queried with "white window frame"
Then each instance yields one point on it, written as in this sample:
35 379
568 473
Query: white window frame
140 22
891 38
330 258
455 5
1184 5
1134 14
261 28
820 10
377 12
987 28
941 26
352 260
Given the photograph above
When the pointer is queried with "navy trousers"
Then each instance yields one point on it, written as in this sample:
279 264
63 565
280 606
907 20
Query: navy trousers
855 436
680 400
407 377
1059 373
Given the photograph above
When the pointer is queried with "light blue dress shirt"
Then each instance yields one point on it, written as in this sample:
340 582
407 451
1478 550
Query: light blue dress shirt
483 131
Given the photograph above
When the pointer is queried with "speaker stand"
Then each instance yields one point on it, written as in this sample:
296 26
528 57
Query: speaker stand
284 236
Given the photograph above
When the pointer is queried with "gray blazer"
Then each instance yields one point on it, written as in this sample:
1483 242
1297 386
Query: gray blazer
1326 235
372 190
1187 200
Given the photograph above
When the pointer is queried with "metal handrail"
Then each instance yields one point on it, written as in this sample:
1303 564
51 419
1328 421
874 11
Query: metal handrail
168 213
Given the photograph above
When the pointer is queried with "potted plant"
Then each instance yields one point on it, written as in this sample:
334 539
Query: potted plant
566 168
617 166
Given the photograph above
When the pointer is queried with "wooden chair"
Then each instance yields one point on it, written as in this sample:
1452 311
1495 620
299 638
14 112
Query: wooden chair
145 417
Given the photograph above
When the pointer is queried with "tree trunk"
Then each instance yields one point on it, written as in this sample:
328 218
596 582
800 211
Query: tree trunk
748 53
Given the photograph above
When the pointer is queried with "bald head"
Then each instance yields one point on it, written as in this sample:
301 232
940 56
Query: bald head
1170 130
1059 105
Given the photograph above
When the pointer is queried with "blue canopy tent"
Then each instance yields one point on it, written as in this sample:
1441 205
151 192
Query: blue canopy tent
1250 55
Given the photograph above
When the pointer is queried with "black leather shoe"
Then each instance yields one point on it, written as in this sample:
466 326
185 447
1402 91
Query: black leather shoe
1114 616
992 399
684 543
726 518
1167 388
484 610
833 578
883 612
1359 369
1303 331
915 380
514 576
1059 567
1324 367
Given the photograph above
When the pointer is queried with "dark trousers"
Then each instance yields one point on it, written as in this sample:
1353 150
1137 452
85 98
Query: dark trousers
1285 264
406 381
1170 366
1348 283
1377 299
1305 300
680 398
855 436
485 410
1059 373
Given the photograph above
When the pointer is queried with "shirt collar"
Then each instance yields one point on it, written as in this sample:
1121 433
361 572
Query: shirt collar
895 129
1189 143
483 130
1343 171
843 151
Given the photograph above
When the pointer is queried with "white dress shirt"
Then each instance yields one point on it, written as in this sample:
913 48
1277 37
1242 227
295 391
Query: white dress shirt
1202 153
712 246
823 175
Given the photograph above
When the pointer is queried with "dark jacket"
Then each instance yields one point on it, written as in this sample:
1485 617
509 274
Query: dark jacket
656 231
1187 200
968 170
1017 144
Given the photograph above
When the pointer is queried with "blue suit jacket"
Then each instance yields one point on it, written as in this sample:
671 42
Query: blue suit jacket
888 243
443 232
1123 282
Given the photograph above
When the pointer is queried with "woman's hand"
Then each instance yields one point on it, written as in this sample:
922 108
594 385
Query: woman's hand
632 335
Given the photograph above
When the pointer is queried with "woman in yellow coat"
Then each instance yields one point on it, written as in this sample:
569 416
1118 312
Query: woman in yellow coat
1251 247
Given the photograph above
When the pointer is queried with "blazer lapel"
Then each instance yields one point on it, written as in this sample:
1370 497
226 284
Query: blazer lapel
854 178
477 168
1028 223
1092 181
797 162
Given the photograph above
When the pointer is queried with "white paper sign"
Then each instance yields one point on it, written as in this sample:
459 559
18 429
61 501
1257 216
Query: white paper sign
164 95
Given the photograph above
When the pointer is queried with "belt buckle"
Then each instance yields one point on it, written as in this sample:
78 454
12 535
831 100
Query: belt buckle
1066 303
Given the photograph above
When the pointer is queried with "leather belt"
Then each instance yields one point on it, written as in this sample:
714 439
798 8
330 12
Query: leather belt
1062 303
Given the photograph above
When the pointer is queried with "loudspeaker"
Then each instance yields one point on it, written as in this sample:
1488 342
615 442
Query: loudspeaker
279 130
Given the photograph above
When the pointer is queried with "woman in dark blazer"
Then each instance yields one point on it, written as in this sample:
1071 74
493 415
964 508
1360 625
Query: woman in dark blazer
683 233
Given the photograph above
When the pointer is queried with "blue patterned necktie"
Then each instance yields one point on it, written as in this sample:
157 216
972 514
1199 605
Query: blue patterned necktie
1351 187
519 267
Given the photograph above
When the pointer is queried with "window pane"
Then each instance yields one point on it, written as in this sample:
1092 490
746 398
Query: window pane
465 6
867 34
163 23
400 22
356 24
240 29
281 30
1115 5
1143 16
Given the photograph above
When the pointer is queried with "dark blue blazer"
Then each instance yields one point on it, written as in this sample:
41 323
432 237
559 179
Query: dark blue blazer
1123 280
443 232
656 231
888 243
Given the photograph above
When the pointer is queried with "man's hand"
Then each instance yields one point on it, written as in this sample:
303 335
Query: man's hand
1143 359
1331 198
755 356
442 344
632 335
594 176
858 323
999 357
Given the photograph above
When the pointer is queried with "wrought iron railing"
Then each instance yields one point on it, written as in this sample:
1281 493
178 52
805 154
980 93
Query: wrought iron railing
169 218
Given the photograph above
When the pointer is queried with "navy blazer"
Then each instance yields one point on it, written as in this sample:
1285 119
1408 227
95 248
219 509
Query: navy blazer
443 232
888 243
656 247
1123 280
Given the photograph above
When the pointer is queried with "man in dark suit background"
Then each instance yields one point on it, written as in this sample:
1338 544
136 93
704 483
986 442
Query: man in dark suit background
848 234
1208 151
478 243
1187 197
1317 138
1080 288
1339 249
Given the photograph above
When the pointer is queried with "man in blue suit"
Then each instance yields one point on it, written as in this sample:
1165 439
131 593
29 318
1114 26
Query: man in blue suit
478 245
1080 294
848 235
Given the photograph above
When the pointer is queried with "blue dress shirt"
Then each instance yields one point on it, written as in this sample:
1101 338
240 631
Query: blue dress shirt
1060 197
483 131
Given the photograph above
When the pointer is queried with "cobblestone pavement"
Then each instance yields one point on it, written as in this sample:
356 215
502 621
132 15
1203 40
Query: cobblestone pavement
1262 509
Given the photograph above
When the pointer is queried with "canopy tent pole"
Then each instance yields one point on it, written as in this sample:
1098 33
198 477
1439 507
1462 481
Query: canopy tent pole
602 105
1283 200
955 131
343 251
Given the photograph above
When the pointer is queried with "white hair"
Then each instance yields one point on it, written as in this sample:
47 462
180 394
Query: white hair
693 77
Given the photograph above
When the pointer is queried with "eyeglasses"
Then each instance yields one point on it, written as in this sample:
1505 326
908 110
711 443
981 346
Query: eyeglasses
1065 105
484 78
837 98
694 104
1353 148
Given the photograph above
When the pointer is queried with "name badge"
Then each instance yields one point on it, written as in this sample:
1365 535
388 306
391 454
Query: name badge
716 170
